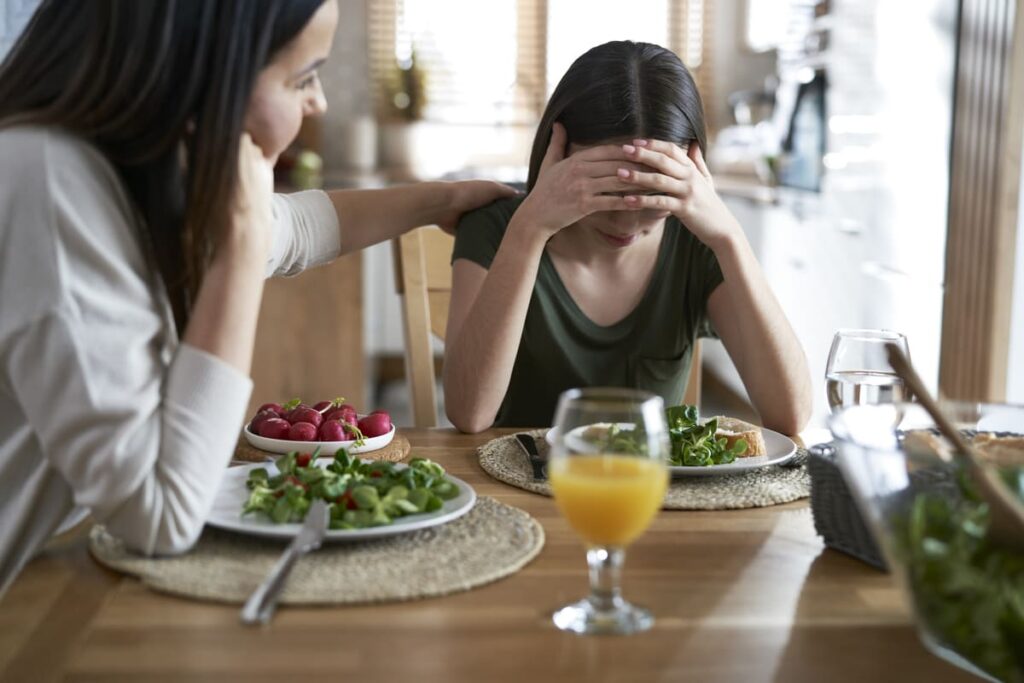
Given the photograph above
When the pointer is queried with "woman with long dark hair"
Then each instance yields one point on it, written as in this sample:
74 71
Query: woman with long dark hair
137 223
618 258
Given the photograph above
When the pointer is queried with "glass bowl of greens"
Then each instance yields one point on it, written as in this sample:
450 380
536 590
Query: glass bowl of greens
966 590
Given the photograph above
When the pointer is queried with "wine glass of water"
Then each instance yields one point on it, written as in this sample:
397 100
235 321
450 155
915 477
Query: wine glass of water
609 471
858 370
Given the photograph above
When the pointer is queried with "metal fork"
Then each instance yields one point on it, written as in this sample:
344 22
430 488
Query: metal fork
260 606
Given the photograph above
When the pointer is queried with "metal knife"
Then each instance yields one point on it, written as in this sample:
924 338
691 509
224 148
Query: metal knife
537 462
259 608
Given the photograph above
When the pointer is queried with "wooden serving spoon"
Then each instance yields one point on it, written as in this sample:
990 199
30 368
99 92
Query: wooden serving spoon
1006 515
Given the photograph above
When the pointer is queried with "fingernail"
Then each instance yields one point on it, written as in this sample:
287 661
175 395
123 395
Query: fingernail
630 199
628 149
640 143
623 173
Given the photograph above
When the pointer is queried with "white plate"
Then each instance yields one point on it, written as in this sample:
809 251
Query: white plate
231 497
780 448
372 443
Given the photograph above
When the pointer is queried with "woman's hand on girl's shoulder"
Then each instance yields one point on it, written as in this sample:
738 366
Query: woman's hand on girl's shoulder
466 195
682 184
569 188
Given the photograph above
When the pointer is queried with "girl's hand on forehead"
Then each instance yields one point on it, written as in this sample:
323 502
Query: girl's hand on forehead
570 188
678 181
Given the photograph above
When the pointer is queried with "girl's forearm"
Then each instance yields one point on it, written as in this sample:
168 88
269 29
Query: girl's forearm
763 346
480 355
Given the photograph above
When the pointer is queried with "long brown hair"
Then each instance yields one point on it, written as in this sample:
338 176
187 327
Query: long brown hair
622 89
161 87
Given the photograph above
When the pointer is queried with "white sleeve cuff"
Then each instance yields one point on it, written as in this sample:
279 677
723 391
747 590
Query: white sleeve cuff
206 385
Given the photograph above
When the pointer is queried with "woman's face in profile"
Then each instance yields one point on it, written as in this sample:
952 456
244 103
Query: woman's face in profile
288 88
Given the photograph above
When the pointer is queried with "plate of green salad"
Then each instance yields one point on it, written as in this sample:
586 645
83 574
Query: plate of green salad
367 499
697 448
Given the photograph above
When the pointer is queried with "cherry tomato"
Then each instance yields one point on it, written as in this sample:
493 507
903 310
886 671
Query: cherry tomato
346 500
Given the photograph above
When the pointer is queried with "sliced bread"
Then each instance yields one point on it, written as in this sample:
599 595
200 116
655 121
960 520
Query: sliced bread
734 429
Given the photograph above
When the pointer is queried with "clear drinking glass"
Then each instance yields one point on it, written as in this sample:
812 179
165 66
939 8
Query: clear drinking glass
858 370
608 469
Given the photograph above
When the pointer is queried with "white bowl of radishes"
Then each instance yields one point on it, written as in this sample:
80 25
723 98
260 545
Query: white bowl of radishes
329 425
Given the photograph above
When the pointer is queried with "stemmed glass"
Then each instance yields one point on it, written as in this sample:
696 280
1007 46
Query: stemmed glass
608 470
858 370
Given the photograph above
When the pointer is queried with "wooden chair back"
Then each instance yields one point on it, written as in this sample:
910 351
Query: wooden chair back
423 277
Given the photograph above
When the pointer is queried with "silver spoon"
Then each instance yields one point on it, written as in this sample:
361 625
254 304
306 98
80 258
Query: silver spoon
1006 515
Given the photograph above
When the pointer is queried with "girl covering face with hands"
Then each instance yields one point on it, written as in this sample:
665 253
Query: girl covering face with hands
619 257
137 224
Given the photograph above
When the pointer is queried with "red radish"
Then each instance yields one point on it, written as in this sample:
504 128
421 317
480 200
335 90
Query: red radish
275 428
272 407
302 459
375 424
331 430
319 407
305 414
291 408
344 415
260 418
302 431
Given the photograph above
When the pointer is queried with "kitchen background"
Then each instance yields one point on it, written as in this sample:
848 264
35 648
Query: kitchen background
830 125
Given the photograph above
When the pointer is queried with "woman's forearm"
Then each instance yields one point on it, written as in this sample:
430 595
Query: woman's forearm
227 306
371 216
759 338
367 217
480 354
224 317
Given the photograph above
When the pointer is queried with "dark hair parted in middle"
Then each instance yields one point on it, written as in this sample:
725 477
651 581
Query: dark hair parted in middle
622 89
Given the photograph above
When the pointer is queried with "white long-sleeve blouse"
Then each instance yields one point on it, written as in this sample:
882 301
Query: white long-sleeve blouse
101 407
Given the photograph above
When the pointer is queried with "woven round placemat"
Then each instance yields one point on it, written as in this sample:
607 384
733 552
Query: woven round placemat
395 451
491 541
503 459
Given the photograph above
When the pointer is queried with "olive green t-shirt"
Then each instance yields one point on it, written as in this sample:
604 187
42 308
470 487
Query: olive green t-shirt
561 348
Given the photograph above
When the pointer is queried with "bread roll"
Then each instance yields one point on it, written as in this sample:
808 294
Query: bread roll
733 430
1002 451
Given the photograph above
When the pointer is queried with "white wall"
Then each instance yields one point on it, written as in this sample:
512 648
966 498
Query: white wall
1015 372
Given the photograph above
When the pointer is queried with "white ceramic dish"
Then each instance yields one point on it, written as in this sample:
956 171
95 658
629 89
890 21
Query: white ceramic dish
231 497
372 443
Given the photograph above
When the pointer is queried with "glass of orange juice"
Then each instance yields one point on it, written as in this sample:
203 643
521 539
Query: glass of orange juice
608 470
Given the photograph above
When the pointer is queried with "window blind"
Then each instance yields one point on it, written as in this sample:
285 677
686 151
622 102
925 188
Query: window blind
496 62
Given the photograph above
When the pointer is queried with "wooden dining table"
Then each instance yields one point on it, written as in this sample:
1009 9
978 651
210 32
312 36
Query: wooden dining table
738 595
